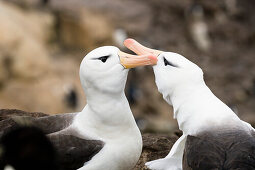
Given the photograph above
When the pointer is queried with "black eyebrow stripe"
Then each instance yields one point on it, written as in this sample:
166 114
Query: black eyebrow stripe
169 63
105 56
101 57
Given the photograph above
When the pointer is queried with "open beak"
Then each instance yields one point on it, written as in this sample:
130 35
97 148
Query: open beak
131 61
139 49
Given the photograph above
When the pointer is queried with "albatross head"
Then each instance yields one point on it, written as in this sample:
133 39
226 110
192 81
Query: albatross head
173 72
105 69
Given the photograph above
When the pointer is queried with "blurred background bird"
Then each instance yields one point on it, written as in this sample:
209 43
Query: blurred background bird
27 148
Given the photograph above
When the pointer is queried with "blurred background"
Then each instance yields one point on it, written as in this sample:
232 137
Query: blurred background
42 43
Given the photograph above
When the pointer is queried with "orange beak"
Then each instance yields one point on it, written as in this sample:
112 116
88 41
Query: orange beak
139 49
131 61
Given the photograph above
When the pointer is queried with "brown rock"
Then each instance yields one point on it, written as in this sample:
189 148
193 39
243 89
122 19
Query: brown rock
3 70
18 23
155 147
131 15
29 60
23 39
27 3
84 29
48 93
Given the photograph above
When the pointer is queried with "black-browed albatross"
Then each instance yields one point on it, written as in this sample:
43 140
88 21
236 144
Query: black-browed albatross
104 135
213 135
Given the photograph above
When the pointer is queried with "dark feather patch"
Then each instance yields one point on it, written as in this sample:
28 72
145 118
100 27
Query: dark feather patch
49 124
226 150
73 151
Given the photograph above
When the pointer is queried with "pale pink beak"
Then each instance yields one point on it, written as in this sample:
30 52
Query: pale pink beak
139 49
131 61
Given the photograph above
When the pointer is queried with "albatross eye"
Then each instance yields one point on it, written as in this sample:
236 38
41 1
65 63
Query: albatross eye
104 58
166 62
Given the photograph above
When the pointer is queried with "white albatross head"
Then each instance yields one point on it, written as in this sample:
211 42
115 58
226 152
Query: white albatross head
173 72
105 69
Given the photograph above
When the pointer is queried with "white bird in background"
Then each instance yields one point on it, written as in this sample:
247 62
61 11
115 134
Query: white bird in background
104 135
213 135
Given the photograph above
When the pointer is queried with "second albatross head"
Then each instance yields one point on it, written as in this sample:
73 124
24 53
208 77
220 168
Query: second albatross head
173 72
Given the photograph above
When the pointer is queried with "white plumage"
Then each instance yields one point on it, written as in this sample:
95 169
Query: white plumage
107 115
196 108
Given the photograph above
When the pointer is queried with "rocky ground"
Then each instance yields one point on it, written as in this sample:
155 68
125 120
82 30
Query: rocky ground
155 146
43 41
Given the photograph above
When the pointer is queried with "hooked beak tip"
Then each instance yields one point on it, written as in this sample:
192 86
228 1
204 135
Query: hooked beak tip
139 49
129 41
132 61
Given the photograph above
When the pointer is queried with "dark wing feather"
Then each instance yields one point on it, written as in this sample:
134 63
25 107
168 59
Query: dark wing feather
8 113
55 123
202 154
220 151
73 151
49 124
241 153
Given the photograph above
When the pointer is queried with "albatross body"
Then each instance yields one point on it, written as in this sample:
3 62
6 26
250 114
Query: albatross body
104 135
213 135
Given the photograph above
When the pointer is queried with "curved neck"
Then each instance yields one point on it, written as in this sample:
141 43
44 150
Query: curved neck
183 96
196 107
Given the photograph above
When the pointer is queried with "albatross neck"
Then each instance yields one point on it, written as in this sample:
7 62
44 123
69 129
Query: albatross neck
97 97
184 95
110 108
196 107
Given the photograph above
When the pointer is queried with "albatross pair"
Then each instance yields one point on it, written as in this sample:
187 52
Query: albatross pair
214 138
104 135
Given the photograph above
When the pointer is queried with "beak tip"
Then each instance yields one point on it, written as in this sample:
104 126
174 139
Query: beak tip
153 58
128 41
